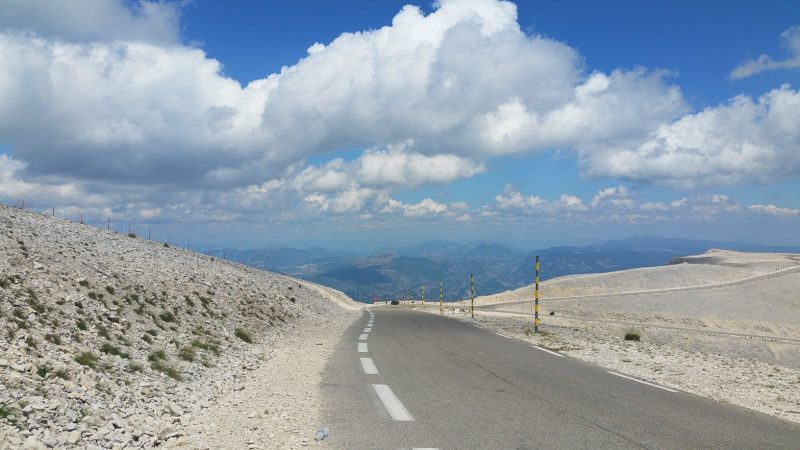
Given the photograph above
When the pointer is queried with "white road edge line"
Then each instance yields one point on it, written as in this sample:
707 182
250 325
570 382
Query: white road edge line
363 337
548 351
396 410
367 330
425 448
642 381
362 347
369 366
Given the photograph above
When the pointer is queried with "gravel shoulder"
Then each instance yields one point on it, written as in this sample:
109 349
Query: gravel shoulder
276 404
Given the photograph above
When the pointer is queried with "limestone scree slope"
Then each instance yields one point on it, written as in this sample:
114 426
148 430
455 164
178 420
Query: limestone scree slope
113 341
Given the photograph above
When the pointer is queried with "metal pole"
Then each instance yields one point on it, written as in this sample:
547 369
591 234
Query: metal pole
441 310
472 295
536 300
423 296
108 224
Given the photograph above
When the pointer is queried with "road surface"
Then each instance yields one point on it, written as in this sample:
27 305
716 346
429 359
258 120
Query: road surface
407 379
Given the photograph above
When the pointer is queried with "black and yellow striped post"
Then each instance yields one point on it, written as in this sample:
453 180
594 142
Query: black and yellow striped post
536 300
441 298
472 295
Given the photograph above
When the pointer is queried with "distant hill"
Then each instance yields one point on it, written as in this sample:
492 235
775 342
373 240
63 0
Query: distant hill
398 272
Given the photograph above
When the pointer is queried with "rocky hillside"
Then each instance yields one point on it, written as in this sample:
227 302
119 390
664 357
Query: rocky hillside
110 340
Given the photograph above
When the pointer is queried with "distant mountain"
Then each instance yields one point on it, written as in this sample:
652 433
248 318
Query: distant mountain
399 272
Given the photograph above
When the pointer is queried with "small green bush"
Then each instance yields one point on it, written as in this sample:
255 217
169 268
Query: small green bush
31 342
110 290
147 339
43 370
63 374
103 332
87 359
134 367
632 336
84 283
157 355
53 338
132 235
187 354
244 335
168 317
110 349
169 371
81 325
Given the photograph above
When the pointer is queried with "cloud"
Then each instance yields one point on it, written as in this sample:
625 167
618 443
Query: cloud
619 204
128 109
614 196
149 21
104 106
773 210
790 39
424 207
399 168
513 200
741 141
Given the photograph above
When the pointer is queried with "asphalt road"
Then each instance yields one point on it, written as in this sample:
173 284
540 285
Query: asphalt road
444 383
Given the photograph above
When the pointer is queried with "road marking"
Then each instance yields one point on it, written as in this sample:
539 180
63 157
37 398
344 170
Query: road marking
425 448
367 330
642 381
369 366
396 410
503 335
548 351
363 337
362 347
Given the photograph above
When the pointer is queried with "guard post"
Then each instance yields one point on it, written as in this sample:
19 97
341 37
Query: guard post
472 296
441 309
536 300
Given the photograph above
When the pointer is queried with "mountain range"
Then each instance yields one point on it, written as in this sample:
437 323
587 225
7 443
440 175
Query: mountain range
401 272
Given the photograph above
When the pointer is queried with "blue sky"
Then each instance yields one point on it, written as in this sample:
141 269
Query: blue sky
535 123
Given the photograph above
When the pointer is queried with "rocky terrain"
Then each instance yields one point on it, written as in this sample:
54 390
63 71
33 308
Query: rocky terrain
114 341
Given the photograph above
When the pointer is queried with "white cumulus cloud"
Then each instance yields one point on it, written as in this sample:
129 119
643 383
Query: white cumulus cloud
744 140
790 40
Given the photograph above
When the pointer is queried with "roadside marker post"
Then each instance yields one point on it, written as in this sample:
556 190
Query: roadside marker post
536 300
423 296
441 309
472 295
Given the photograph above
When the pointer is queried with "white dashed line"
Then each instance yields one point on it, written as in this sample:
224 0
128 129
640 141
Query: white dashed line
363 337
369 366
548 351
642 381
362 347
396 410
367 330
